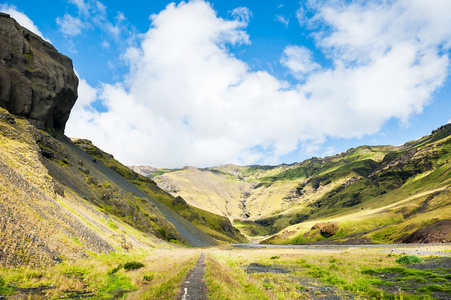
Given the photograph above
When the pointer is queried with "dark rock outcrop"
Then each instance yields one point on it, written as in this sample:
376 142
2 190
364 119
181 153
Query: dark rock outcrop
178 200
439 232
36 81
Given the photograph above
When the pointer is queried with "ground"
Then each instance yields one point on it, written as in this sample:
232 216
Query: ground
228 272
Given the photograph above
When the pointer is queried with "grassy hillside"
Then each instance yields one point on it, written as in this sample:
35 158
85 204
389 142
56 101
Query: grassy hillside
383 201
44 222
378 193
216 226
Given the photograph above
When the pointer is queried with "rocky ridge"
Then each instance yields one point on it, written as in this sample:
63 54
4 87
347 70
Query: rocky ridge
36 81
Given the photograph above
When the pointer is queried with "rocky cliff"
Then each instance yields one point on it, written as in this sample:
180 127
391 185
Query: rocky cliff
36 81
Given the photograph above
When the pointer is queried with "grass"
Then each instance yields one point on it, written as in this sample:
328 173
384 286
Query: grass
158 276
420 284
163 274
133 265
225 281
343 273
409 259
251 228
309 274
313 273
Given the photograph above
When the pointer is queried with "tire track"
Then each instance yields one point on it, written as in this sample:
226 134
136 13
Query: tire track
194 288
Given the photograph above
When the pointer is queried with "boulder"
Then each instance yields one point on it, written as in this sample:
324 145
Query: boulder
36 81
180 200
327 229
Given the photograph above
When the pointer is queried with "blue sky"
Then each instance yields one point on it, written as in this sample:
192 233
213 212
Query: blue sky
249 82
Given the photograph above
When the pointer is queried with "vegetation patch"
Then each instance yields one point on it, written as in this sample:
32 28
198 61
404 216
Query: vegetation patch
430 278
133 265
409 259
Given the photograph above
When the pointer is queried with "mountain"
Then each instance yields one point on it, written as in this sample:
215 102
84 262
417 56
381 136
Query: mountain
62 199
369 193
216 226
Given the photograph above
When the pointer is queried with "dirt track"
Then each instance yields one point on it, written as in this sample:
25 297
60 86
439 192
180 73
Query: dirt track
194 288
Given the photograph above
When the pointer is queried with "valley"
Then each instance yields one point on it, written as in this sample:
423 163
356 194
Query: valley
76 223
370 194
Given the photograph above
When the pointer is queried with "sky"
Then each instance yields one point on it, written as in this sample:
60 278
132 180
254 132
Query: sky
171 84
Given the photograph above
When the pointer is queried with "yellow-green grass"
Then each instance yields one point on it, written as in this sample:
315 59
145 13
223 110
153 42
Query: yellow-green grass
20 151
102 276
390 208
215 192
227 281
226 277
251 229
40 226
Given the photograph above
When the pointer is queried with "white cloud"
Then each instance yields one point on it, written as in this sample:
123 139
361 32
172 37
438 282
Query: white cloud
243 14
86 95
69 25
188 101
285 21
299 60
92 14
82 6
364 32
22 19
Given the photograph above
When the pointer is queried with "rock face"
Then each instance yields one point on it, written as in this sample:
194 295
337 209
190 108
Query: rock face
144 170
36 81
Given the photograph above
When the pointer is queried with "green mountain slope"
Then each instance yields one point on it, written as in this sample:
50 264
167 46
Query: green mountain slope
391 191
43 221
216 226
110 191
57 202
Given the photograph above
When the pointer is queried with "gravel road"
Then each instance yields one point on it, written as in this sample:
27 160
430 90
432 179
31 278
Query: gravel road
412 249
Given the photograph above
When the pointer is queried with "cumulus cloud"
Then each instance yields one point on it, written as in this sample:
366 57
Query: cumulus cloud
22 19
188 101
69 25
86 95
299 60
